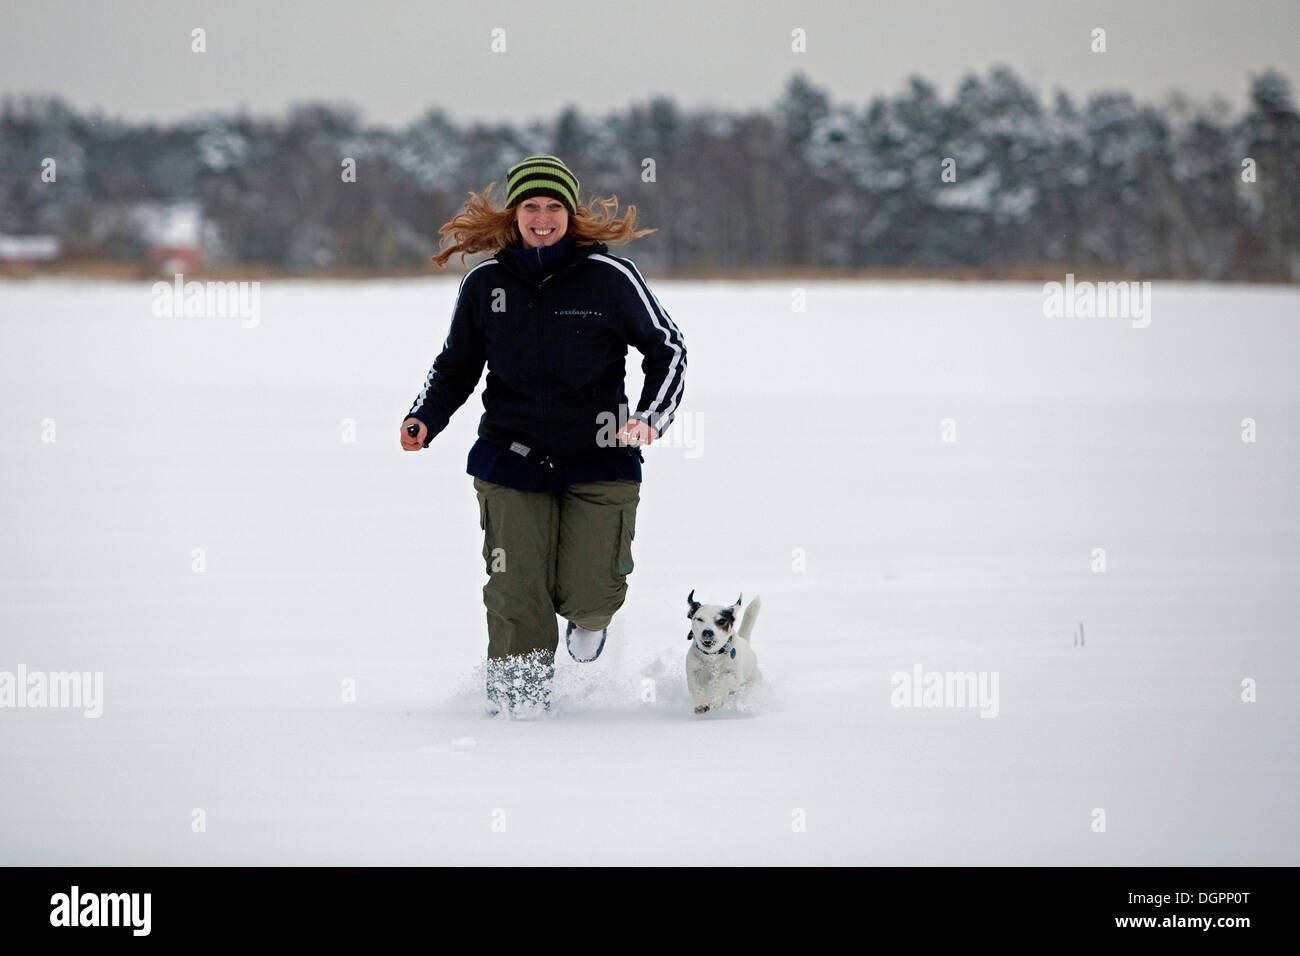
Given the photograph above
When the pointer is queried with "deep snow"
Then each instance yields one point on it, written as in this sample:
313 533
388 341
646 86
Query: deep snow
816 438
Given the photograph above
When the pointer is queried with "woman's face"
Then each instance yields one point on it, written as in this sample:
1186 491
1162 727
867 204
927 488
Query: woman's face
542 221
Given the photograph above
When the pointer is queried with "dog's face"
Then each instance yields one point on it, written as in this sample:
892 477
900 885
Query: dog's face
711 624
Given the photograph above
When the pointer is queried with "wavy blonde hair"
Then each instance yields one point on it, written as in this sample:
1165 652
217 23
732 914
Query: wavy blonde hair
484 228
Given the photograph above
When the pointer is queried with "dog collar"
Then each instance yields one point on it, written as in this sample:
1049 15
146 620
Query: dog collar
720 650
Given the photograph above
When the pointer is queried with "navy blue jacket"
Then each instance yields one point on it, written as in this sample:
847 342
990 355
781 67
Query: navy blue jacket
554 334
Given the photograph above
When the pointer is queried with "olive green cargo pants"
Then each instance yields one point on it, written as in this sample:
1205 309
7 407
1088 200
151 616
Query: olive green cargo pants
547 554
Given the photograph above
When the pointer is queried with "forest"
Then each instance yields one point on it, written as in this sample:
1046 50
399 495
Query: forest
989 179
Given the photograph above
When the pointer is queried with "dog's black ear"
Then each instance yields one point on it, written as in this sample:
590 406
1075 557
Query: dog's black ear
690 635
692 604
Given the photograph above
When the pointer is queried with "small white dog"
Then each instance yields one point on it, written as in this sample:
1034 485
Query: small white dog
720 660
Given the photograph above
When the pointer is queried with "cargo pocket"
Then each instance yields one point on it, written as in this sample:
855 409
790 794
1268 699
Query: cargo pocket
626 532
487 536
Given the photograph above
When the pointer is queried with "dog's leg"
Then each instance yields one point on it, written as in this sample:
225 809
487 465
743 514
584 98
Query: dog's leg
728 684
698 683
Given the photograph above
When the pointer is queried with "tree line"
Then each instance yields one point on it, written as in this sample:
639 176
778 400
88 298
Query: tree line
990 178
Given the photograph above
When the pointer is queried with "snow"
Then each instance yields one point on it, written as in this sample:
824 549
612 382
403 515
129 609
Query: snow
816 476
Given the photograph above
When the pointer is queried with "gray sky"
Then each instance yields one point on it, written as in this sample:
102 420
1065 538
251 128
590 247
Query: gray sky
395 59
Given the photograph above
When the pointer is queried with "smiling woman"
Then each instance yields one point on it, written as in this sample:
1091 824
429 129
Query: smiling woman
537 186
542 222
484 228
551 313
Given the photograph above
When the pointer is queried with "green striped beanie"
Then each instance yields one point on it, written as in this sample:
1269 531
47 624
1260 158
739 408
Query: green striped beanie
542 176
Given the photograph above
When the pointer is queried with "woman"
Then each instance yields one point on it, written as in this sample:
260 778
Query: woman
557 465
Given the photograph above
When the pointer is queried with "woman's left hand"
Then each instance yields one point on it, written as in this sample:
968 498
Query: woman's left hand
636 432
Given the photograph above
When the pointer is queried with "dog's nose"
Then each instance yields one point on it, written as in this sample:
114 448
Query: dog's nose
707 632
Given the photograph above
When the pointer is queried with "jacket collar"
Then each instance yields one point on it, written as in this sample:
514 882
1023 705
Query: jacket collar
538 265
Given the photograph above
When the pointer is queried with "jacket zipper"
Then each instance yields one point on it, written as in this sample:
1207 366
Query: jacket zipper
541 351
546 404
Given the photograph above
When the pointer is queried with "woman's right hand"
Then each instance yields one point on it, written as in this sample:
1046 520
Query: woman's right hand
416 442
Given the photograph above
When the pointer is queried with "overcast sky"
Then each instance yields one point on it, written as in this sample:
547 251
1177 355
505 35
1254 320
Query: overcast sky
395 59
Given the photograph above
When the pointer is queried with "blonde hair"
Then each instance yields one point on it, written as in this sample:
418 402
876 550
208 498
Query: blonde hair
484 228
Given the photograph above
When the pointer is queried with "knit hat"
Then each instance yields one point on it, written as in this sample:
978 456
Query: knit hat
542 176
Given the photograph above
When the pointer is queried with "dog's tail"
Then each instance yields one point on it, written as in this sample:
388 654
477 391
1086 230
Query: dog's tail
750 616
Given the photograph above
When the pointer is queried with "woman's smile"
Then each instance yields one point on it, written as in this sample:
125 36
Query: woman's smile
542 221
